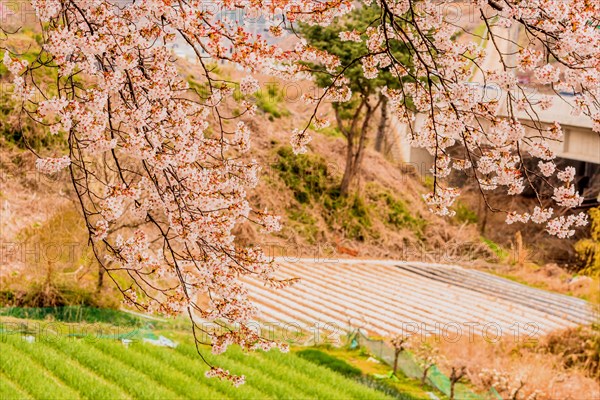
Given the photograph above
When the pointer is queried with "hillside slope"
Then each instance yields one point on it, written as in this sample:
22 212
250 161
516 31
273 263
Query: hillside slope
384 218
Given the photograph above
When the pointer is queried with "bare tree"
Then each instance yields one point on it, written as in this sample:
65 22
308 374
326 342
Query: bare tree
456 375
400 343
427 359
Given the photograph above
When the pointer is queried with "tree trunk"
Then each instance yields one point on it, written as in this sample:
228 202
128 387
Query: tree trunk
353 162
396 356
100 277
349 168
380 138
424 377
355 151
484 218
515 394
455 376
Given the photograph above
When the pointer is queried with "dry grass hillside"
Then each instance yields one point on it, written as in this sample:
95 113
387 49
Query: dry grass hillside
385 217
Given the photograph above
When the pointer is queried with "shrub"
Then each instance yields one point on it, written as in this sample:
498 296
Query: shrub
335 364
306 175
465 214
329 131
394 211
342 367
271 101
383 386
313 183
578 348
75 314
495 248
588 249
309 178
60 270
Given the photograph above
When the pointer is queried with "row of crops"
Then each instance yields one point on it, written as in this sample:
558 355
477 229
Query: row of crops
68 368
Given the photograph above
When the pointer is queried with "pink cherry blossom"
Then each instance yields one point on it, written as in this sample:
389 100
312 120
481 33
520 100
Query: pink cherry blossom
147 146
353 36
249 85
547 168
567 175
513 217
299 141
541 215
52 165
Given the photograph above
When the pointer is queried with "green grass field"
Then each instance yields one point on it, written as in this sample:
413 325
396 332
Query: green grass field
69 368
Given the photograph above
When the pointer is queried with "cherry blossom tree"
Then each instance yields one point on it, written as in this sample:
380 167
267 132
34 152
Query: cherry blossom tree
428 357
505 385
457 374
147 150
400 343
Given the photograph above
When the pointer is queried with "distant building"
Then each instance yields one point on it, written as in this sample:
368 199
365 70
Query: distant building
580 147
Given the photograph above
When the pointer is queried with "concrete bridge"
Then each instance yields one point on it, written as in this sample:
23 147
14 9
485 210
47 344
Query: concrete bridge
580 142
580 147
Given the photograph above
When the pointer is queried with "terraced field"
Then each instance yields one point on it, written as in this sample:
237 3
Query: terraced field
385 297
67 368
